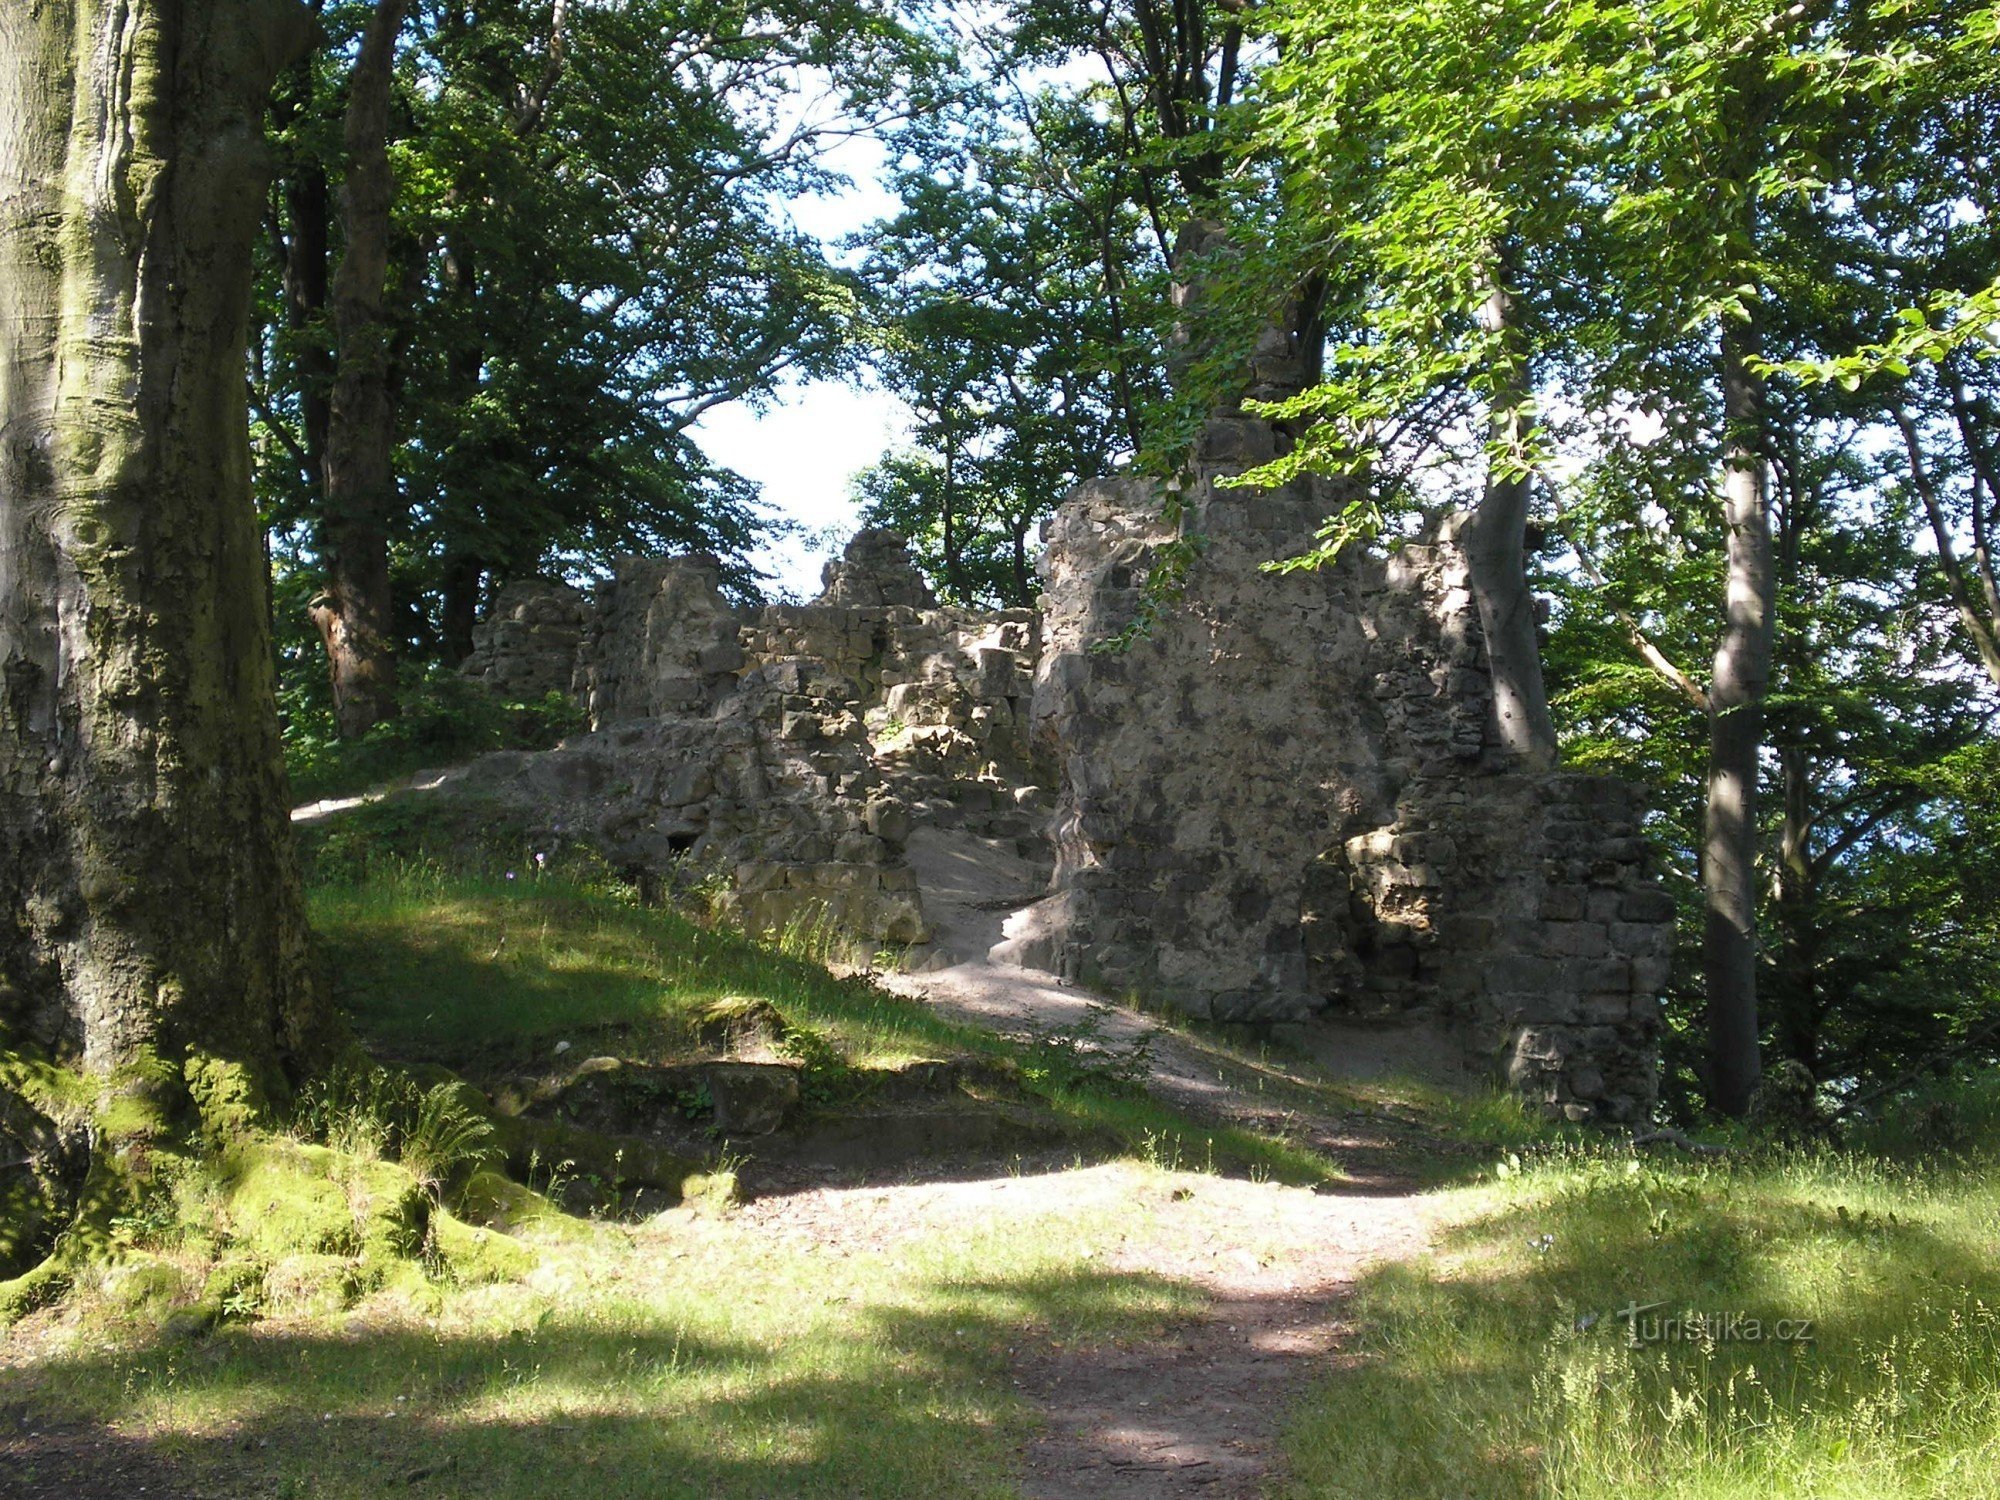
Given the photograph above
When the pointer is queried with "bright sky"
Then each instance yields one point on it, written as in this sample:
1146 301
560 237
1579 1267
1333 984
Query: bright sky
803 452
806 449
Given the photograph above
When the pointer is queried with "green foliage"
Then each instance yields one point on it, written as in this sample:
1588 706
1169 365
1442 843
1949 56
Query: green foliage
365 1110
1020 310
1955 1118
592 246
1640 178
1063 1059
443 719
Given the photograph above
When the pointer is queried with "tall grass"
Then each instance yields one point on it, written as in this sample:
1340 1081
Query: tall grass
1503 1367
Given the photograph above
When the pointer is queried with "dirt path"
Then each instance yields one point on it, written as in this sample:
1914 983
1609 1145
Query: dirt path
1200 1411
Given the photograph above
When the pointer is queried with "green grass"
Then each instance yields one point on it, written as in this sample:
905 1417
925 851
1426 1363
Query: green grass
1500 1368
443 719
693 1355
475 970
684 1357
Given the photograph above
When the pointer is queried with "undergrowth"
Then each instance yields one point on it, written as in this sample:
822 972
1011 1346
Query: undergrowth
372 1112
442 719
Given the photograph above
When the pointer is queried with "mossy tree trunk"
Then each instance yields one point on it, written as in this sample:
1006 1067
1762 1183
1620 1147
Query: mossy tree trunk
152 904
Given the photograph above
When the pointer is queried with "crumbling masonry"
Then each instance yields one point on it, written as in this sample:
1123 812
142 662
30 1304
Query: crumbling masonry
1279 804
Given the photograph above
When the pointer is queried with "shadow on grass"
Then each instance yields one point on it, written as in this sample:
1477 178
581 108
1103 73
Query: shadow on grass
897 1400
487 977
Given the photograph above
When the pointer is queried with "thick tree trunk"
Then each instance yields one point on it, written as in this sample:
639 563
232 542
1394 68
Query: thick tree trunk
147 872
1735 735
355 611
1495 541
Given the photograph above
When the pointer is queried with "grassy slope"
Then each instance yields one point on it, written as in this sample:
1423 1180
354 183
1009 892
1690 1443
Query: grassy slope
480 970
1500 1369
686 1355
694 1356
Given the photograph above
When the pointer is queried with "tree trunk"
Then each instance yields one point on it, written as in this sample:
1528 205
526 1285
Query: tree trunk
1024 582
309 220
954 564
146 857
1495 540
355 612
460 612
1735 734
1797 1000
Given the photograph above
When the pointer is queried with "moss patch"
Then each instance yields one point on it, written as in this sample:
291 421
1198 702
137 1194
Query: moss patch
473 1256
228 1098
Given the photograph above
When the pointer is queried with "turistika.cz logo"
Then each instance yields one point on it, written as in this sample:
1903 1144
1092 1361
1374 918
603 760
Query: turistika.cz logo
1645 1323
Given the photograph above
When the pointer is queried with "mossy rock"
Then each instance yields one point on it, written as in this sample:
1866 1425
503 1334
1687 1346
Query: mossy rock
235 1286
615 1163
737 1023
473 1256
313 1286
391 1209
146 1288
285 1199
490 1201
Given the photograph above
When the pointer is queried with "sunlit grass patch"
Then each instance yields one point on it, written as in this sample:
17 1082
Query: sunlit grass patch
439 964
1792 1324
472 967
681 1357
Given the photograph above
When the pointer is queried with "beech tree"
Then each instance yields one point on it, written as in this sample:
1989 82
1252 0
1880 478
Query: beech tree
154 918
1541 222
517 249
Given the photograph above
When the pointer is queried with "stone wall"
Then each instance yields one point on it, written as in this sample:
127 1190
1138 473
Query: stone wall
779 757
1281 802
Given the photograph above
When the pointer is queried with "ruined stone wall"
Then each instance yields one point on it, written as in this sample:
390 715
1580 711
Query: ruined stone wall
780 756
526 647
1280 802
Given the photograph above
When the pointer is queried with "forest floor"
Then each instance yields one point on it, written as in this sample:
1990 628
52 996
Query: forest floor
1212 1268
1133 1310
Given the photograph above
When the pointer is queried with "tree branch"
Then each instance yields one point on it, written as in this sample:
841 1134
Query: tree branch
1653 656
1982 630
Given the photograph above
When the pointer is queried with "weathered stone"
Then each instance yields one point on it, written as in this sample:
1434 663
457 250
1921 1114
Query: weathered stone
752 1098
1278 801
